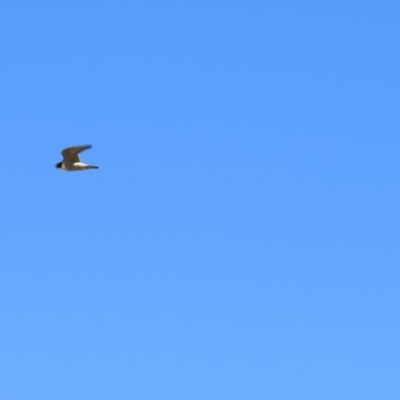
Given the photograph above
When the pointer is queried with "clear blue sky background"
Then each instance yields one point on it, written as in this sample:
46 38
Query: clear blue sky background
241 237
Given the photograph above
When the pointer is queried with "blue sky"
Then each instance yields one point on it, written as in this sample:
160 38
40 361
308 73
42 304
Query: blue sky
241 237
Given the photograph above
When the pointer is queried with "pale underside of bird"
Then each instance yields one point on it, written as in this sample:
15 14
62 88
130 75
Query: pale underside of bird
71 161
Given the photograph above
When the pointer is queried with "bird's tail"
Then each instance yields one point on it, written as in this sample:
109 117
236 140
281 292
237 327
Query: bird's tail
92 167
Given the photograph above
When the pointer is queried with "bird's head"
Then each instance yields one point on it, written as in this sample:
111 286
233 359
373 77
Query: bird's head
58 165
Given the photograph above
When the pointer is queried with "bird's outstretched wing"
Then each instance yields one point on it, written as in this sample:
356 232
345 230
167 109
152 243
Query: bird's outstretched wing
71 153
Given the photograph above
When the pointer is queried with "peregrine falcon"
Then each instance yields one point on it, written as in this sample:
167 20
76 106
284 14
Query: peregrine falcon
71 161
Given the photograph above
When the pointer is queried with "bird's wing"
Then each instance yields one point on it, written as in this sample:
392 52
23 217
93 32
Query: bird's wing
71 153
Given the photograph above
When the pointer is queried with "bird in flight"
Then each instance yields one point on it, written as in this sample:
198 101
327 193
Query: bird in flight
71 161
